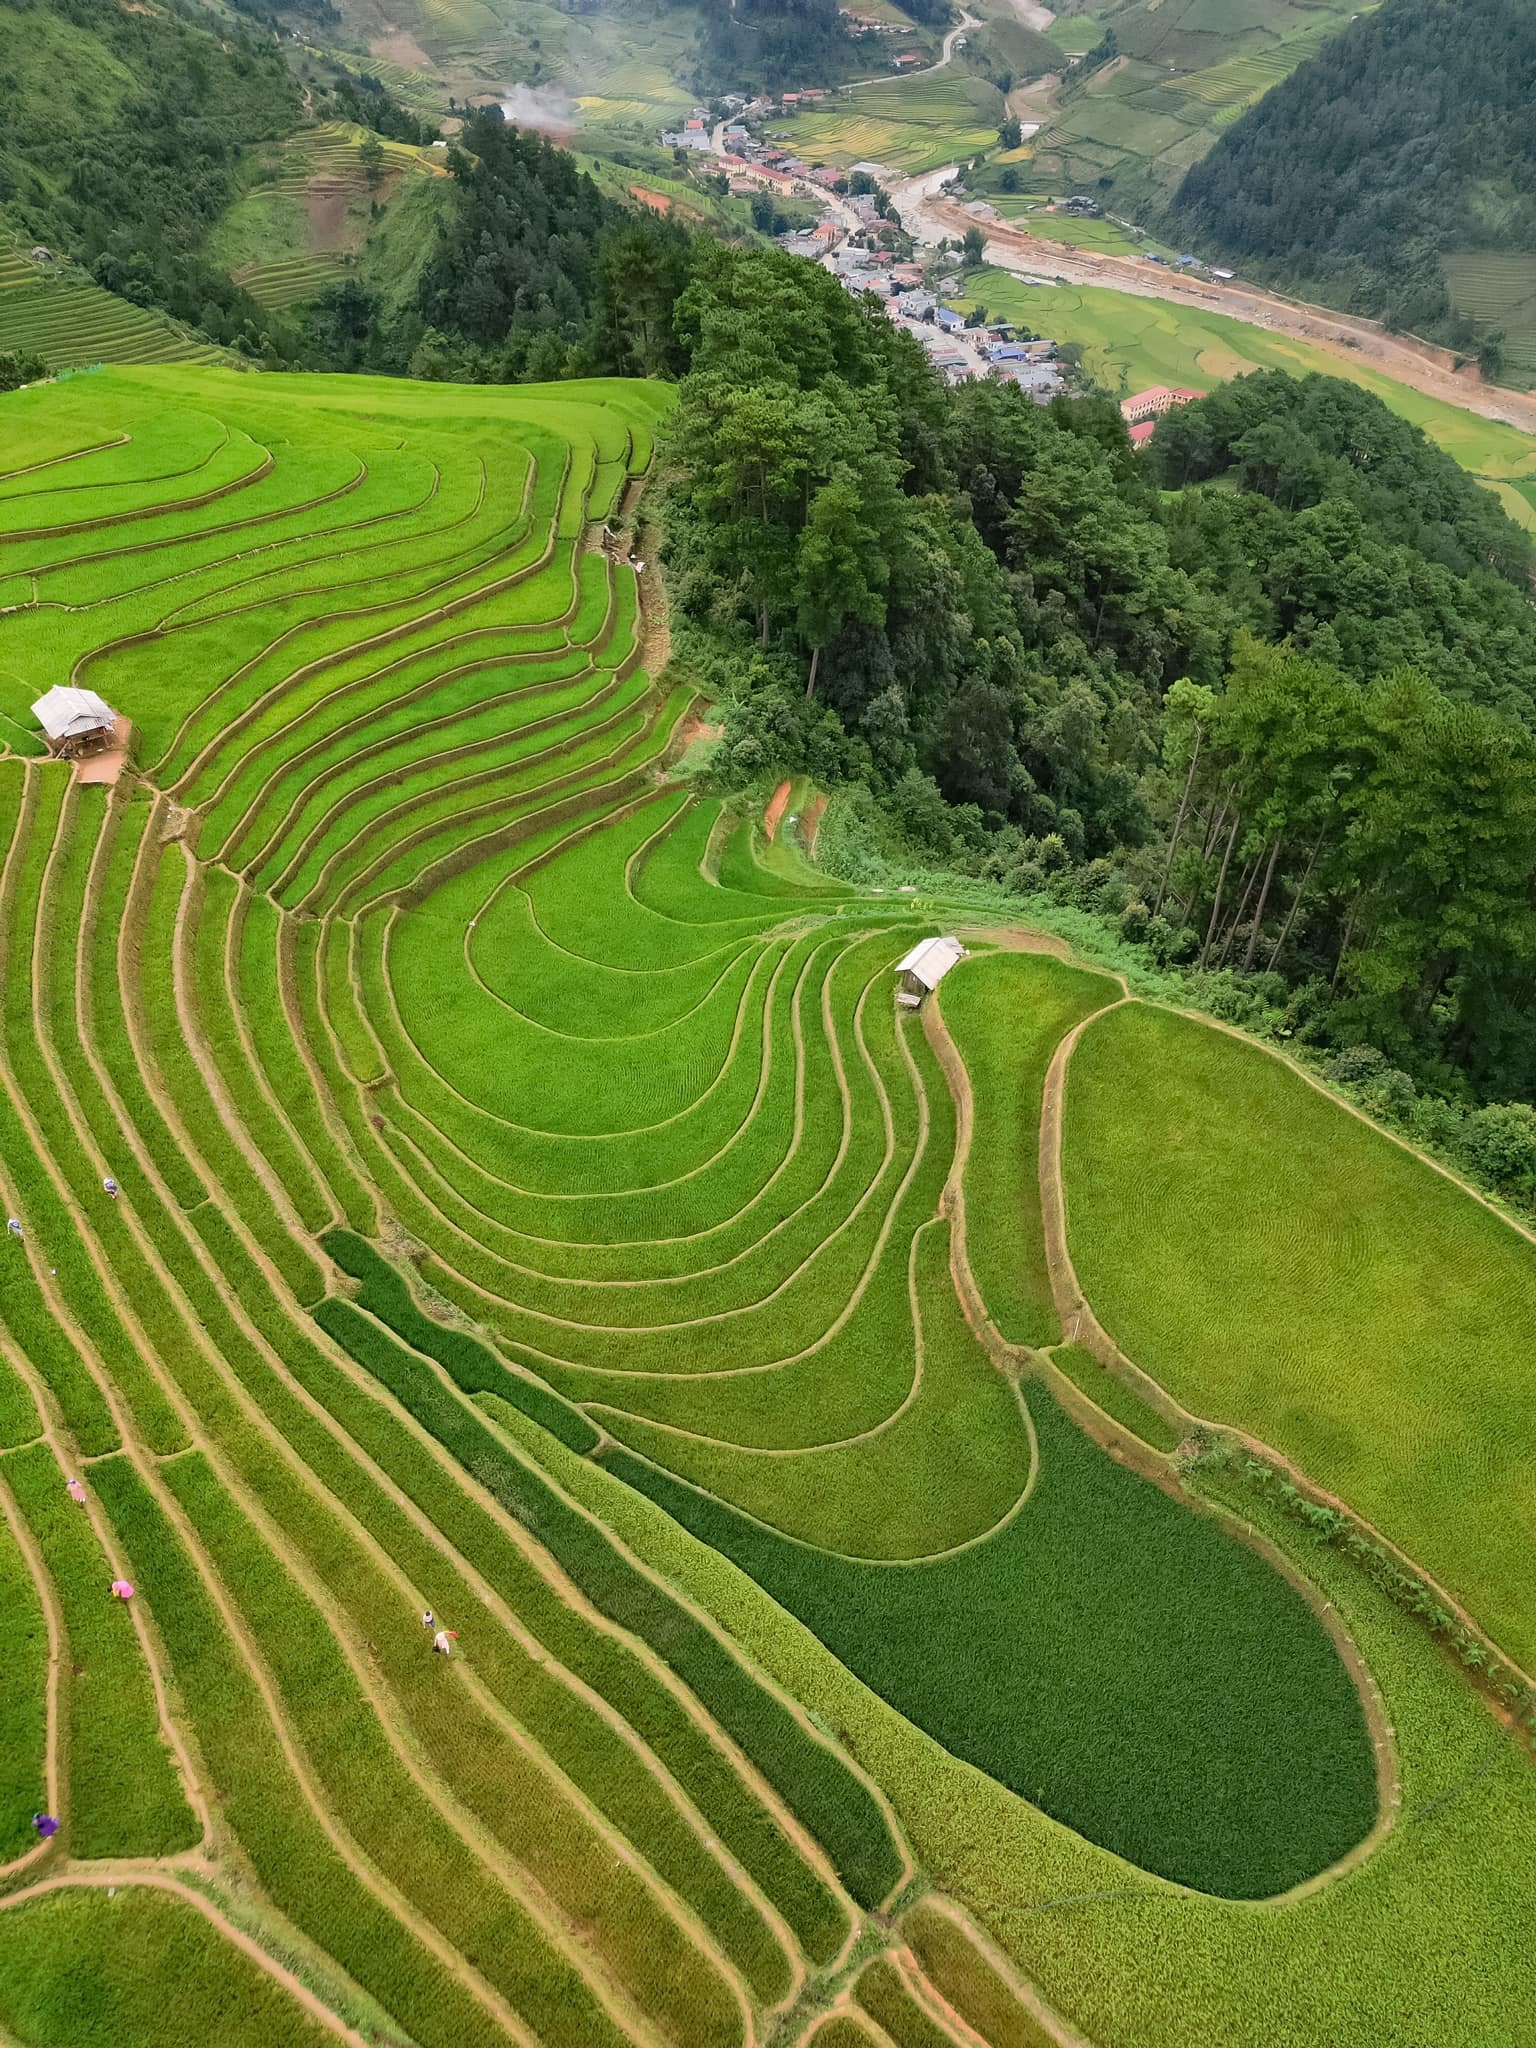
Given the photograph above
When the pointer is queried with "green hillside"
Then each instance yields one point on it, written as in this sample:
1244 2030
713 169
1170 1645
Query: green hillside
1162 82
1393 175
124 135
162 164
604 62
70 322
461 1180
321 204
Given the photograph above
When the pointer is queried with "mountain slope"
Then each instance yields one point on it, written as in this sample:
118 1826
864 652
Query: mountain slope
1161 82
122 138
1377 170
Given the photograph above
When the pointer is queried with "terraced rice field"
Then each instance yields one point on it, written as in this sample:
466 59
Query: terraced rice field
1109 236
296 232
622 80
1350 1305
909 125
74 324
534 1212
290 280
413 87
1499 293
331 150
1186 70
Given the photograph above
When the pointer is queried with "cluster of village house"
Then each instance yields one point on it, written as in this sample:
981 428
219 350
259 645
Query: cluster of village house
851 248
859 247
861 264
695 132
955 350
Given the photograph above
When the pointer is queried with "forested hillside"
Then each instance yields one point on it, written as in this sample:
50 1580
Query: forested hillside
1159 81
1279 714
772 45
1406 141
121 138
533 272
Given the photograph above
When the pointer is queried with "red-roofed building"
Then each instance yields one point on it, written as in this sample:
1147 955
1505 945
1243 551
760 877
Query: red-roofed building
1142 433
1152 403
759 174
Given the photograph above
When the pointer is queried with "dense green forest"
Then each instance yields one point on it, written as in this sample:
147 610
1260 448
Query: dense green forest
772 45
121 136
535 273
1409 134
1267 696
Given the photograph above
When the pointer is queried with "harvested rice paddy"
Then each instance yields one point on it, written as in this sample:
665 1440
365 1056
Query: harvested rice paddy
534 1219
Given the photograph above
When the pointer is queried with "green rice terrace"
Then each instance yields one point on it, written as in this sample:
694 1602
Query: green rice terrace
629 1518
68 320
1185 70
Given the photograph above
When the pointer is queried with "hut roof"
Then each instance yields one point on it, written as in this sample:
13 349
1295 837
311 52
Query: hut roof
69 714
930 960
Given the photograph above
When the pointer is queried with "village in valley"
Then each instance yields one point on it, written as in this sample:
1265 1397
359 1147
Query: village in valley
863 239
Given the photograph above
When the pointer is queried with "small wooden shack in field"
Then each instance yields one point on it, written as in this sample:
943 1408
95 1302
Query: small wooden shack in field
76 722
924 968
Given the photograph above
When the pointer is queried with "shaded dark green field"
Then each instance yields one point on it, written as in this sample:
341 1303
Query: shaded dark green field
1116 1659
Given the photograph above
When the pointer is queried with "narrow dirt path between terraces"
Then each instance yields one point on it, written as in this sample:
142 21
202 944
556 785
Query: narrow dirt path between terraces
508 1523
519 1879
1049 2021
1083 1327
1077 1320
775 809
103 1875
53 1621
931 2002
